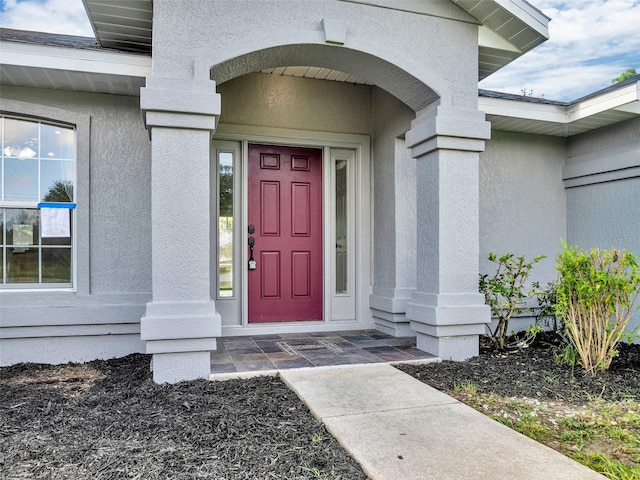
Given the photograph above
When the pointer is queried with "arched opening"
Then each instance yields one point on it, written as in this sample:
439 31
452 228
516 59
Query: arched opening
347 121
400 83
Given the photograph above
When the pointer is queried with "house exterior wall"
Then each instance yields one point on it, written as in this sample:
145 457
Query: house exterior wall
522 203
276 101
522 200
602 176
112 234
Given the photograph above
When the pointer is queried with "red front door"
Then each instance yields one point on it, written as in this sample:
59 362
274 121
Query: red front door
285 210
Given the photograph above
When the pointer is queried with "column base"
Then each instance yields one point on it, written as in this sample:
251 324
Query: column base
394 324
457 348
449 326
388 307
180 367
180 336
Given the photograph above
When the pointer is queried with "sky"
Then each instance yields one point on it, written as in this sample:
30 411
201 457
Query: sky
592 42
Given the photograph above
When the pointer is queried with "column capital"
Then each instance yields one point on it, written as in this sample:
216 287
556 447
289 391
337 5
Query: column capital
180 103
438 127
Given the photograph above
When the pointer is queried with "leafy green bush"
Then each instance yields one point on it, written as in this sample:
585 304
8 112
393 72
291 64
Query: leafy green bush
506 292
596 293
546 312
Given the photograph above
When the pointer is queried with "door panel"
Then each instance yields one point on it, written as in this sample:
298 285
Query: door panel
285 204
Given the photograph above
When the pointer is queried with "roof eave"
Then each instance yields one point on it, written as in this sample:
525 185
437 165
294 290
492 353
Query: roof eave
609 106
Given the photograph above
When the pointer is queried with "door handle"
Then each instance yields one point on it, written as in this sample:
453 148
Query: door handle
252 263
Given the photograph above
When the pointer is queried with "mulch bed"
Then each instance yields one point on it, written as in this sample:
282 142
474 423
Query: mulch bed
533 372
108 420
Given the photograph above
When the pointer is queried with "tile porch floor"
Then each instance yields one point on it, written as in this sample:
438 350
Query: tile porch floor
298 350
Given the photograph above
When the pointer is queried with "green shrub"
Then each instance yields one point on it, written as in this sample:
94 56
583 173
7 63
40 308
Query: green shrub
506 292
596 293
546 312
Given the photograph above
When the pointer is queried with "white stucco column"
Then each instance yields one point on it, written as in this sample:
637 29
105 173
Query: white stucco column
446 311
181 324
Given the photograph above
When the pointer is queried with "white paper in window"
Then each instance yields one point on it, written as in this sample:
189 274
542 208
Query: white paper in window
54 222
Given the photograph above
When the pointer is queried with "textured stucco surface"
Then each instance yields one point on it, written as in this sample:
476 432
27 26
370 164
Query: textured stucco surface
601 140
267 100
394 200
442 53
522 199
607 214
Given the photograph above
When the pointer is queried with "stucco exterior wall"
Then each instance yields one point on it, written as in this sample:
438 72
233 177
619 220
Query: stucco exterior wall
394 200
101 318
522 199
604 209
267 100
384 49
394 232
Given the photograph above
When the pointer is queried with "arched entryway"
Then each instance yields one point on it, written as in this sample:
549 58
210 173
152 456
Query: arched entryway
424 65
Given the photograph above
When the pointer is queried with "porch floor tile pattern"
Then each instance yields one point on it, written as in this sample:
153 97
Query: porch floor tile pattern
300 350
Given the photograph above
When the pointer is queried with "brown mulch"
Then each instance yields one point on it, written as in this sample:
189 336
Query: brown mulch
534 373
108 420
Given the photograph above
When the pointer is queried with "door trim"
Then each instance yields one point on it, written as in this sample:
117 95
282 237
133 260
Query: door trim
362 250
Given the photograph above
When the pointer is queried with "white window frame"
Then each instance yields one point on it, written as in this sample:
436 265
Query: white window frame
80 279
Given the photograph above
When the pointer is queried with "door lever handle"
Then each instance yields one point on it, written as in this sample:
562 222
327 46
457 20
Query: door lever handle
252 263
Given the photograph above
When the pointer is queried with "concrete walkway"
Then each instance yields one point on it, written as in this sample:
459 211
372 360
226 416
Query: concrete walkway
398 428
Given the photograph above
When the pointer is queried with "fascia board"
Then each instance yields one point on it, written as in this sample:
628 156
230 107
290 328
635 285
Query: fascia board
528 14
601 103
523 110
77 60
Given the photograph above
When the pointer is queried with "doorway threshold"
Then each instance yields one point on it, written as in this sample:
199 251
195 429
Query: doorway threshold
241 357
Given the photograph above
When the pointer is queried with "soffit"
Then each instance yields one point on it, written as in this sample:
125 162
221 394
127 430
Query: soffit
517 23
62 62
121 24
57 79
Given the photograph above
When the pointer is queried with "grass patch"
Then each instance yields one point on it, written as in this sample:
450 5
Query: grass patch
602 435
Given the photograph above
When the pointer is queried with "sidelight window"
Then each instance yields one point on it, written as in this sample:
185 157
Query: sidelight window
342 253
225 224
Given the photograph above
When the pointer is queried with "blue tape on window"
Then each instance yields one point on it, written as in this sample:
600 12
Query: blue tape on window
56 205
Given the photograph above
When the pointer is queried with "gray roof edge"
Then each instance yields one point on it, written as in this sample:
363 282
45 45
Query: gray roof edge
610 88
524 98
520 98
58 40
